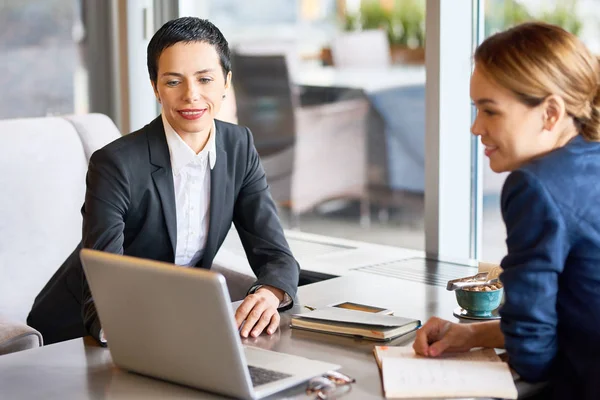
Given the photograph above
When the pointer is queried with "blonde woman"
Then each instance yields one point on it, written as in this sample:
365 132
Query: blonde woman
535 88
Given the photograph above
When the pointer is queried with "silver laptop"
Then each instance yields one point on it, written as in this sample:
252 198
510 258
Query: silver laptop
177 324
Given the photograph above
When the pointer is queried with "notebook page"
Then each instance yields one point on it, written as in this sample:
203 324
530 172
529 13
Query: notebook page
418 377
408 352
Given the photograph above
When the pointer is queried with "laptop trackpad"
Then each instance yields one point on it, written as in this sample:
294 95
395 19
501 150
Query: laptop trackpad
285 363
262 376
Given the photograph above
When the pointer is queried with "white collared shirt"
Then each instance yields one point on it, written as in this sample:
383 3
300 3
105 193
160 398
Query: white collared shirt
191 179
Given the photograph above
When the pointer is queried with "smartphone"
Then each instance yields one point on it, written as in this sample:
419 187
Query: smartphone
362 307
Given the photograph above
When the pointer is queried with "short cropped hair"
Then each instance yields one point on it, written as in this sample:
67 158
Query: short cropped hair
187 30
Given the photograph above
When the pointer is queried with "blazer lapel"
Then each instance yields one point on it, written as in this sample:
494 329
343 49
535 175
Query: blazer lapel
218 188
163 177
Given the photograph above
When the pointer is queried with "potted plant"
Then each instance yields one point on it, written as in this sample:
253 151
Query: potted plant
501 15
564 16
404 24
407 31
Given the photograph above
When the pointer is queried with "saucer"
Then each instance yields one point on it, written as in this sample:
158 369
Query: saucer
462 313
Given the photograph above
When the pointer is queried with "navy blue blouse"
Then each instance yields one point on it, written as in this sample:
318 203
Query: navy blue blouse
551 314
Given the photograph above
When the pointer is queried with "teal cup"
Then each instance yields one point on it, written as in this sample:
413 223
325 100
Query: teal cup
479 304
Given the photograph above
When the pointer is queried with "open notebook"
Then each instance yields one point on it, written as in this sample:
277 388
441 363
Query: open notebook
479 373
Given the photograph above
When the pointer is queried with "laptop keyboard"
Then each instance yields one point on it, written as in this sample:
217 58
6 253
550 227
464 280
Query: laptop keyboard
260 376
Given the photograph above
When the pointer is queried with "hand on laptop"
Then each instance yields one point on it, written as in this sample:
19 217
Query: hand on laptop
259 311
265 342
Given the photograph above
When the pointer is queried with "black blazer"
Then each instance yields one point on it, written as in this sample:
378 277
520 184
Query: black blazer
130 209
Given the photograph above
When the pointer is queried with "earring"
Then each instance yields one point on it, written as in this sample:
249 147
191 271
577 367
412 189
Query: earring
224 95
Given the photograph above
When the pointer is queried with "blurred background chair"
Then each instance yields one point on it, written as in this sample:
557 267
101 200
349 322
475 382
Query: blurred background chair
368 48
312 142
289 48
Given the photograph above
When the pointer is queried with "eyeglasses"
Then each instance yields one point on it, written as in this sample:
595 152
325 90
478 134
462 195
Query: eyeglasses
331 385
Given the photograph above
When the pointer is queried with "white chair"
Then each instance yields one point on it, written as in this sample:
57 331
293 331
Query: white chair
361 49
43 164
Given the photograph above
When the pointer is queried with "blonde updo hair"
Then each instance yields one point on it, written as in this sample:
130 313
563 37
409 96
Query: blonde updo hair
535 60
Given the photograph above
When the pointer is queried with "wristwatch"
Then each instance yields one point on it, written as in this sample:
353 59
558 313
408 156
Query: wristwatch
283 303
102 337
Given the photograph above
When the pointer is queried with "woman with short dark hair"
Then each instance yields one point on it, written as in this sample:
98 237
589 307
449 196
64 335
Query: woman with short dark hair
171 190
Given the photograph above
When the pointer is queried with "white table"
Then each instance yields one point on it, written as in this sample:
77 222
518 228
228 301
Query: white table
325 255
368 79
80 369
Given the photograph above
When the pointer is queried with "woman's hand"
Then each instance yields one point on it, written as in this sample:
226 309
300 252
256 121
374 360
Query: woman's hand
438 336
259 311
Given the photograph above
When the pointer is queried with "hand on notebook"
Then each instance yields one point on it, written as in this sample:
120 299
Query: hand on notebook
259 311
438 336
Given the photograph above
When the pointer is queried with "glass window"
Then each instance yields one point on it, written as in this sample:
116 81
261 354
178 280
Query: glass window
342 138
40 58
